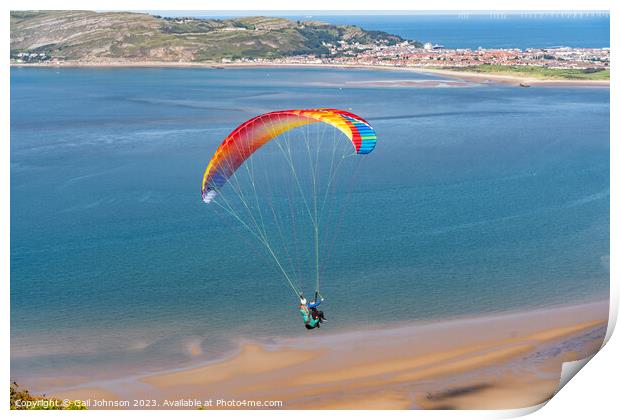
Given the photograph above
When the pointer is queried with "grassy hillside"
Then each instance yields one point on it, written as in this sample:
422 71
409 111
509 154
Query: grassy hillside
122 36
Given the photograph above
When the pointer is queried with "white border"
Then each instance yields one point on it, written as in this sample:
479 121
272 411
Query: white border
316 5
592 394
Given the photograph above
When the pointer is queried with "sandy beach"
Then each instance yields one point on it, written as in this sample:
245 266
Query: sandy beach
462 77
513 79
502 361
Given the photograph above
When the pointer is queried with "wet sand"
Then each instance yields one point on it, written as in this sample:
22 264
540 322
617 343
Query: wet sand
503 361
513 79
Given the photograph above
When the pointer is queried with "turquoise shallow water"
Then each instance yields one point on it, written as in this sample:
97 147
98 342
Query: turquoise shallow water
482 199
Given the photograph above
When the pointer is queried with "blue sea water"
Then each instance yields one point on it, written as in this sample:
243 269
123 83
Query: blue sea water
476 200
473 30
491 30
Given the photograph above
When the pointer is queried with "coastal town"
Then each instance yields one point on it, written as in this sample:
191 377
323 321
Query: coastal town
264 40
407 54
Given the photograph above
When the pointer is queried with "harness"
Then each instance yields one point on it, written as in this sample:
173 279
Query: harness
309 320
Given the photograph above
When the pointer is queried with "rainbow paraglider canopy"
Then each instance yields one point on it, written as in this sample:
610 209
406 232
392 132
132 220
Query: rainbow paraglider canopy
254 133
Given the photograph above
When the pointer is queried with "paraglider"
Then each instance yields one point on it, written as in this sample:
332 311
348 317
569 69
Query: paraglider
310 314
252 203
254 133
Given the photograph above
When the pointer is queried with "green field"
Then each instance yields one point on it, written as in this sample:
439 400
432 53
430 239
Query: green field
541 72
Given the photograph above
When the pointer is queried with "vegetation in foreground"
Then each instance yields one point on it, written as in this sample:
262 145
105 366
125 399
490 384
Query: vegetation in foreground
22 400
539 72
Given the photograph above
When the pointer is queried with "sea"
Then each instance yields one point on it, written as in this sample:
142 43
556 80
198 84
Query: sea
471 30
478 199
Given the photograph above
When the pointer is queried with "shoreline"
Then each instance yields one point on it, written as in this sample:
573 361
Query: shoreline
468 76
514 79
422 365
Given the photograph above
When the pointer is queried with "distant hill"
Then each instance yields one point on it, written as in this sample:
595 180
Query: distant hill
132 37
